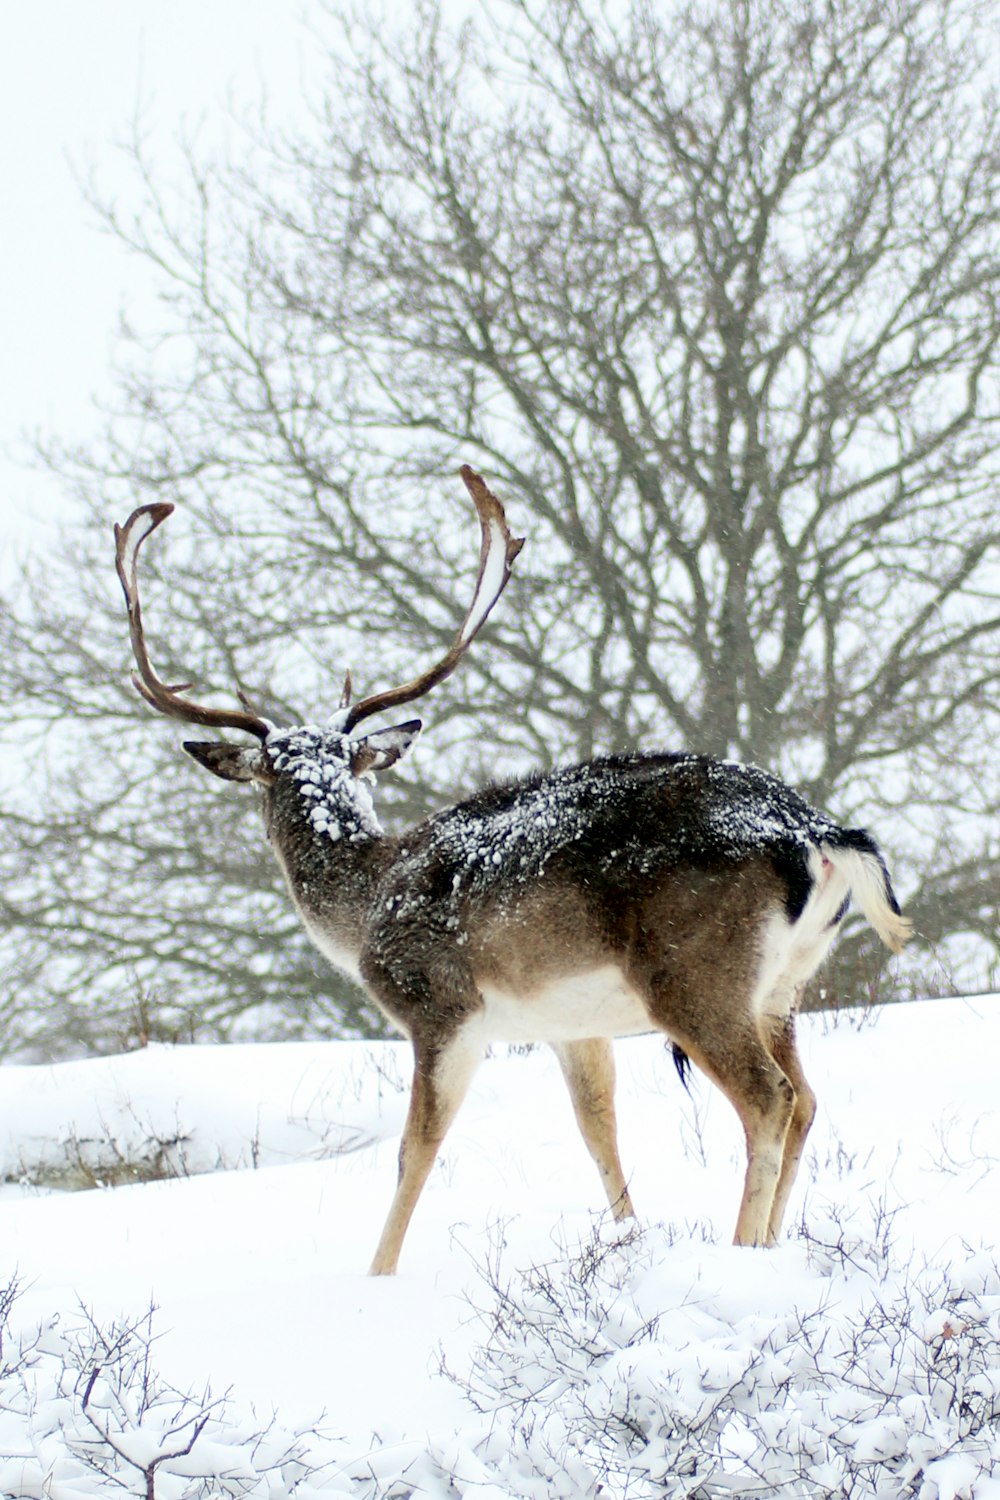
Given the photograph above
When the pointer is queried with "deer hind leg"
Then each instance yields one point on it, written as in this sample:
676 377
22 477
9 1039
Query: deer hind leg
722 1038
764 1099
441 1077
779 1036
589 1070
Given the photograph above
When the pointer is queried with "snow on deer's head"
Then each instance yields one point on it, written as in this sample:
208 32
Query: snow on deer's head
320 774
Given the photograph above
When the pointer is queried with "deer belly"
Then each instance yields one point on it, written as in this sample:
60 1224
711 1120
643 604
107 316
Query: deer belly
596 1003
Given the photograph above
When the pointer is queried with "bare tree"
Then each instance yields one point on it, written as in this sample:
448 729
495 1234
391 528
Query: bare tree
710 292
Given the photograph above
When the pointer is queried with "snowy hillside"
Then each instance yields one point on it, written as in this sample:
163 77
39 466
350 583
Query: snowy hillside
527 1348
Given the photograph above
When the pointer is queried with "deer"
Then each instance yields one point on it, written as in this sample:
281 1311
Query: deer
661 892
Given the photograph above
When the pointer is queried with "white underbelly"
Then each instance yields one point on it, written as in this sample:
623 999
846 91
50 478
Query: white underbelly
598 1003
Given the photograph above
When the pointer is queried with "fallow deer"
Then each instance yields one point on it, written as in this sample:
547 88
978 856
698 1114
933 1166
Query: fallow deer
631 893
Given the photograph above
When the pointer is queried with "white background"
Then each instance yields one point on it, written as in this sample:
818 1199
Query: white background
74 75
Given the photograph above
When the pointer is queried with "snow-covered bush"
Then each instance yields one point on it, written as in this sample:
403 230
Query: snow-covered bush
868 1375
83 1413
638 1365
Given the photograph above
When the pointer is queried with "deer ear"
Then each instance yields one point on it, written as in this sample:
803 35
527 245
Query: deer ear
378 751
232 762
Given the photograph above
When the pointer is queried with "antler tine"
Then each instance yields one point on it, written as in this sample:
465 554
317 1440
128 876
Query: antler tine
161 695
497 552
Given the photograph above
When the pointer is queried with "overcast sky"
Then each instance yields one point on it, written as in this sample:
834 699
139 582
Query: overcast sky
73 73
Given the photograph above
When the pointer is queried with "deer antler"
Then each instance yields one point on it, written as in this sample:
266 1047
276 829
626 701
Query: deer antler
161 695
497 552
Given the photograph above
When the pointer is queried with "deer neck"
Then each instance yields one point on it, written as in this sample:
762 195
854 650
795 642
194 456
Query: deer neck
322 826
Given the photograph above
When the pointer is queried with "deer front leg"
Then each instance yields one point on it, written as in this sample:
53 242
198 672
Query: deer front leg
589 1070
441 1077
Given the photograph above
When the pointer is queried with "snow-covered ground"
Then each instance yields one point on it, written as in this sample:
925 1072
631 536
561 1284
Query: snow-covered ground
526 1348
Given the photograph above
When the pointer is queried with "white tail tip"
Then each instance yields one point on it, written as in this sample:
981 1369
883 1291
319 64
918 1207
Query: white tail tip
866 875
